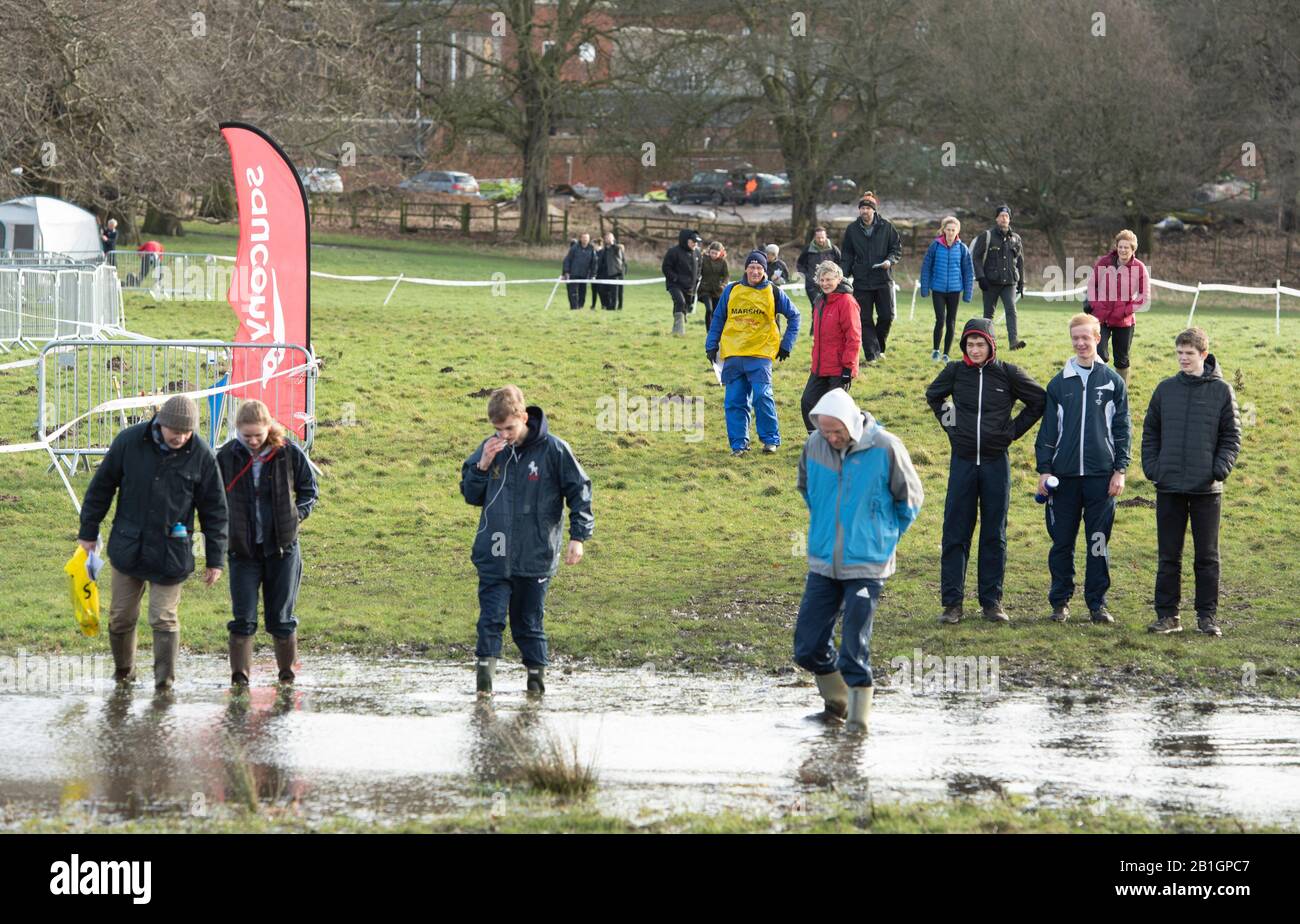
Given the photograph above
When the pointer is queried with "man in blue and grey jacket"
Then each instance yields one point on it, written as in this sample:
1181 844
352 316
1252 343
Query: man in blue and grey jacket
522 477
862 493
1084 442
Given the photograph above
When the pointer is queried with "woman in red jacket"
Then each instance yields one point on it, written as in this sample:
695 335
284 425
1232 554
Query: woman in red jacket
1119 288
837 338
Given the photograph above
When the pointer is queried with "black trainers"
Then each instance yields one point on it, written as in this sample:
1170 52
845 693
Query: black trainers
1207 625
1101 615
1019 345
1165 625
1060 613
951 615
996 613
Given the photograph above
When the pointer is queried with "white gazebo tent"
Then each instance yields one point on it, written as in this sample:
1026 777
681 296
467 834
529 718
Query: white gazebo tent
41 224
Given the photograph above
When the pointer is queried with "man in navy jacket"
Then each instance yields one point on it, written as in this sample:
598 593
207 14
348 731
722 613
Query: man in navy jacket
1084 442
522 477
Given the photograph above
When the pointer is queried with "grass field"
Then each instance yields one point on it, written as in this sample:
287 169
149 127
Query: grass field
831 814
697 560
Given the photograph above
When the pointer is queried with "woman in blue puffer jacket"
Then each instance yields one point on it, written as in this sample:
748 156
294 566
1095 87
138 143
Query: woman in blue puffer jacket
946 271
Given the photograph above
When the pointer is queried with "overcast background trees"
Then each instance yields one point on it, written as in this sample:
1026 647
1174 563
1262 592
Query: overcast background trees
969 102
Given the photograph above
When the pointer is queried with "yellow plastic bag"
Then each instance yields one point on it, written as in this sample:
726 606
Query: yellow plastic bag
85 594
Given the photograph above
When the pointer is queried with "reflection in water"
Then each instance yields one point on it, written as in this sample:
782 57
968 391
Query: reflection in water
834 760
245 743
136 754
413 741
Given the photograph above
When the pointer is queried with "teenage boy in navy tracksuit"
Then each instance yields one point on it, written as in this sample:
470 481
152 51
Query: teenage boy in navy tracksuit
1084 442
980 428
522 477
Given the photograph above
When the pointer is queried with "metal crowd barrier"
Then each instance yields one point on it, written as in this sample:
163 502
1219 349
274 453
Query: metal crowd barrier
43 303
61 259
182 276
75 376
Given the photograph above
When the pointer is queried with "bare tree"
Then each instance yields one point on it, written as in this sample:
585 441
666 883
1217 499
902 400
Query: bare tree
1244 59
821 81
116 105
509 71
1063 111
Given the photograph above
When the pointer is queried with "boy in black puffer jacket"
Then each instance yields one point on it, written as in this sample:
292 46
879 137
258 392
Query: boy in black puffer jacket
1190 440
980 428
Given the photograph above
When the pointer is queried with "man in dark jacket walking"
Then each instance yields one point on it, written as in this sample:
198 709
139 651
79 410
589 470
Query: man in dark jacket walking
819 250
1084 445
978 422
161 472
681 269
1190 441
611 263
869 251
579 263
522 477
999 258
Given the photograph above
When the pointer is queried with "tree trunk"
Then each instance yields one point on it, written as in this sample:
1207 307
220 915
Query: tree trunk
1289 191
219 202
161 223
1140 224
534 221
1054 231
803 205
1145 231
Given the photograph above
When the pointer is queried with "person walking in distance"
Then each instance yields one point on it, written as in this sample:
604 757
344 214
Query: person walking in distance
870 250
999 259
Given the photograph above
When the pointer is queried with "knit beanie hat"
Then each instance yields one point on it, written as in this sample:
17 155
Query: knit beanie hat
757 256
179 413
1001 209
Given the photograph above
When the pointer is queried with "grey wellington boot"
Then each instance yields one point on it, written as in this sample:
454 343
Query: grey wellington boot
166 647
859 709
835 692
679 324
123 648
487 671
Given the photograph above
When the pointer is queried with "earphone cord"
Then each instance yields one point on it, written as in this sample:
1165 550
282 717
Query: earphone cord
499 489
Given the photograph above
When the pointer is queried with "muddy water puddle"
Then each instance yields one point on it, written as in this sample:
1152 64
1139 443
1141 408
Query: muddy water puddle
392 741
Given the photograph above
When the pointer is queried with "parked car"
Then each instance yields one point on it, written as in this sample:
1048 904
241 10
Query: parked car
320 180
441 181
841 189
712 186
766 187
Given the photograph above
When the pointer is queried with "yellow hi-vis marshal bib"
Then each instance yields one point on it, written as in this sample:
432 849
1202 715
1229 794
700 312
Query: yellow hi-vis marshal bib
85 594
750 329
